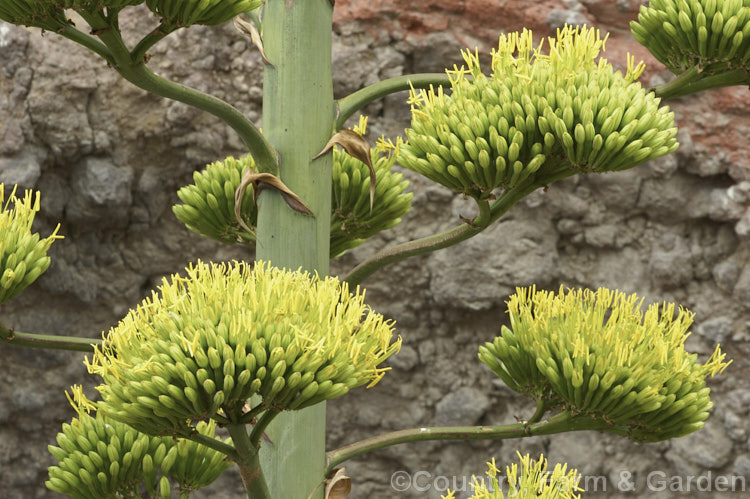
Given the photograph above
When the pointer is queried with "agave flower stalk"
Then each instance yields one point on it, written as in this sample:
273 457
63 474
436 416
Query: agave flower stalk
298 119
222 334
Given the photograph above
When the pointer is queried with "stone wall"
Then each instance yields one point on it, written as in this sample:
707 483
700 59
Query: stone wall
108 159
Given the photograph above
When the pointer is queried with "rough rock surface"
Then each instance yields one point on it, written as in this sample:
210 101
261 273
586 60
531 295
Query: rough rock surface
108 159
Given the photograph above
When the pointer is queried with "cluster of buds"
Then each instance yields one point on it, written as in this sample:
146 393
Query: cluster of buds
353 220
537 116
209 12
23 255
225 333
713 35
208 204
36 13
50 15
596 354
100 457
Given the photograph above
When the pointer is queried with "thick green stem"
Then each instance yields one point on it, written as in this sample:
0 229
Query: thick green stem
131 68
359 99
560 423
19 339
248 462
485 214
690 82
298 116
87 41
678 84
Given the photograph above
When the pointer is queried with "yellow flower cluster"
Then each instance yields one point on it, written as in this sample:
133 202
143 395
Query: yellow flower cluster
23 255
226 332
538 117
531 481
595 353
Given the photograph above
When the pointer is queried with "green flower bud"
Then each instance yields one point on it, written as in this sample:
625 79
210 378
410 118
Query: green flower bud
210 12
352 221
37 13
98 5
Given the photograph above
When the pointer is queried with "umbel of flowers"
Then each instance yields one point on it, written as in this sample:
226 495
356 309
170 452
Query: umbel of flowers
208 203
100 457
531 481
596 355
23 255
227 332
537 118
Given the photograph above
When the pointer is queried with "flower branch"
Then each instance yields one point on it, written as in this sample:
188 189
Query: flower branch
560 423
151 39
17 338
131 67
261 426
215 444
690 82
87 41
443 240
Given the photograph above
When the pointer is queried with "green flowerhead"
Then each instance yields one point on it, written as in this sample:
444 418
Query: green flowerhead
208 203
226 332
595 354
100 457
537 117
713 35
50 15
23 255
